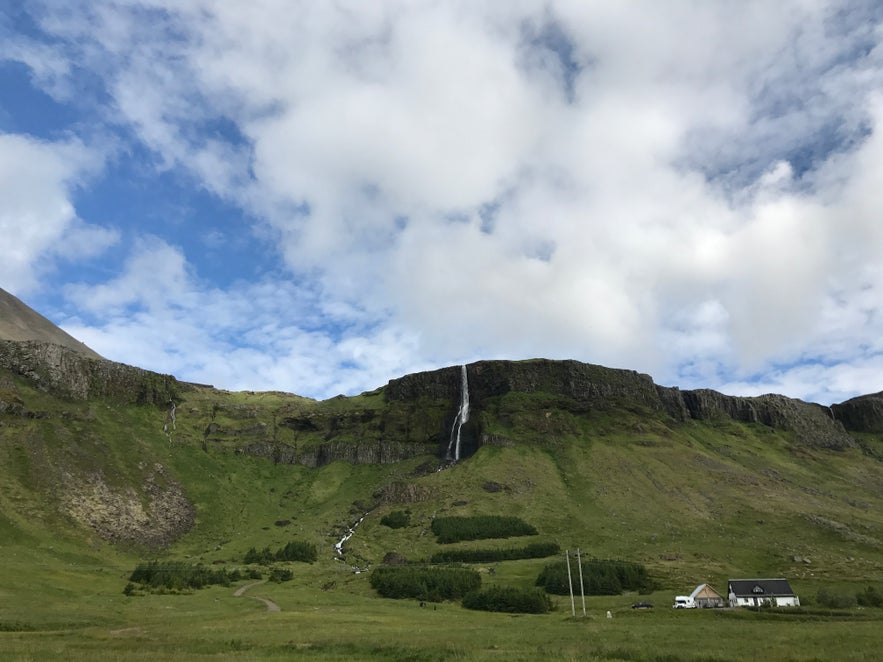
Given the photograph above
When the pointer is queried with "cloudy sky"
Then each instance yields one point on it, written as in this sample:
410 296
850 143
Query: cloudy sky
318 197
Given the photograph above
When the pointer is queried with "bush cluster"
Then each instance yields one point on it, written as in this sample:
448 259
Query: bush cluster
870 597
280 575
397 519
533 551
178 575
600 577
511 600
293 551
827 598
479 527
424 583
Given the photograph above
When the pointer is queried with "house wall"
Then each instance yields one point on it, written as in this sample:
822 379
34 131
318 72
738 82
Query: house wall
782 601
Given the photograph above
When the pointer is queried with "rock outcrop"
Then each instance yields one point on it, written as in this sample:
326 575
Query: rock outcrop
73 375
152 517
861 414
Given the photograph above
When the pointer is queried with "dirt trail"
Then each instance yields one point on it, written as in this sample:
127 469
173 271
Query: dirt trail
240 592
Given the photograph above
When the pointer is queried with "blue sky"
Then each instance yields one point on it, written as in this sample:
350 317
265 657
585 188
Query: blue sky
319 197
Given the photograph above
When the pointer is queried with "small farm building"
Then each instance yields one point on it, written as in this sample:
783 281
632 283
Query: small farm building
705 596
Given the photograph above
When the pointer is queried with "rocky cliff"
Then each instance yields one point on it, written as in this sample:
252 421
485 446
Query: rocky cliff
861 414
413 414
585 388
74 375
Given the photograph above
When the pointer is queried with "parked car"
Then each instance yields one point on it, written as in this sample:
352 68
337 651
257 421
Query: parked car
684 602
642 605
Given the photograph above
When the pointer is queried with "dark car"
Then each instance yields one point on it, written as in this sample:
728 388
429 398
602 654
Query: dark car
642 605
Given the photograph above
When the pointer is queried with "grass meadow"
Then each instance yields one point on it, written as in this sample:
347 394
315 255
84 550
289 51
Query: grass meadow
91 620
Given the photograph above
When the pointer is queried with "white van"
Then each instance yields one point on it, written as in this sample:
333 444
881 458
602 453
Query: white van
683 602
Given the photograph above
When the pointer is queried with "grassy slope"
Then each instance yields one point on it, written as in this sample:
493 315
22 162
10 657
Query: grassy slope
695 502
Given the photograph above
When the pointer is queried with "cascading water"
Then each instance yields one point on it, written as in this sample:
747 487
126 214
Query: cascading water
338 547
462 417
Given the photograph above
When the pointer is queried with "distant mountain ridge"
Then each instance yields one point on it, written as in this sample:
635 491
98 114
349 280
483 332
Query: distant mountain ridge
411 414
20 322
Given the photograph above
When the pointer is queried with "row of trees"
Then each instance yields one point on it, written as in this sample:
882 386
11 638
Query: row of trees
178 575
479 527
599 576
293 551
537 550
509 599
424 583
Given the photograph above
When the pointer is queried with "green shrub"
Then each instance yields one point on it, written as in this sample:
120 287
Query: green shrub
828 598
293 551
532 551
280 575
424 583
264 556
397 519
870 597
479 527
297 551
600 577
511 600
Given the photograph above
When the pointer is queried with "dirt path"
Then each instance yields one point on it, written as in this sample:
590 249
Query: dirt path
240 592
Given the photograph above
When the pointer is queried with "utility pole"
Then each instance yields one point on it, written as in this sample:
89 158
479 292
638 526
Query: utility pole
582 590
570 584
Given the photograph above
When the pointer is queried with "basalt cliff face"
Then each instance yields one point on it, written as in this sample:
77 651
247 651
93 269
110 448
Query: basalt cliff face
584 388
412 415
71 374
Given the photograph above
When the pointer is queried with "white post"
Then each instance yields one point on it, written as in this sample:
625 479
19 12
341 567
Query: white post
582 590
570 584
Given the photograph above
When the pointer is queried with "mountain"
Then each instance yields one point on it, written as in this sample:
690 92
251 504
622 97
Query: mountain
103 464
19 322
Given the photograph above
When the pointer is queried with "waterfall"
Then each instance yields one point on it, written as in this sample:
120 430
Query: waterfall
462 417
338 547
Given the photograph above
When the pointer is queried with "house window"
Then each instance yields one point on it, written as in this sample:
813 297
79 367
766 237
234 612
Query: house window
756 590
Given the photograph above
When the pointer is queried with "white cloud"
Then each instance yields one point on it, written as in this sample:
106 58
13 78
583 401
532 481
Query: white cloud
264 335
38 221
688 190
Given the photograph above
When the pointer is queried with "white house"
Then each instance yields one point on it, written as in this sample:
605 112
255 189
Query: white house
759 592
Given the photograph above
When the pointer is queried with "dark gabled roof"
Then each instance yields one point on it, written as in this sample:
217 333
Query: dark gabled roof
760 588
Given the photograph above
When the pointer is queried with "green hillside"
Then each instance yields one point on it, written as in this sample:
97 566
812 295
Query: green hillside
93 482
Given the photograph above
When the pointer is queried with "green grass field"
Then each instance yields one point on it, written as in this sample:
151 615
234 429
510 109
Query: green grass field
91 619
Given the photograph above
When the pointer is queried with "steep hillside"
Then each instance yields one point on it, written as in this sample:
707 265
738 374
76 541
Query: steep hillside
19 321
103 464
593 453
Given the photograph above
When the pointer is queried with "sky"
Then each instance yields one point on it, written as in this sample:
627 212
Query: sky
318 197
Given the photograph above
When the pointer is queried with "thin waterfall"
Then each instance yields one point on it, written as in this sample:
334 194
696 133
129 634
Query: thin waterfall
462 417
338 547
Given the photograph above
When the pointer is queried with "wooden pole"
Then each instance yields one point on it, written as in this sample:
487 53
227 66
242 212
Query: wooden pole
582 590
570 584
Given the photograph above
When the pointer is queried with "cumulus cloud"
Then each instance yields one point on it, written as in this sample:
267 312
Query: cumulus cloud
38 221
266 335
688 190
